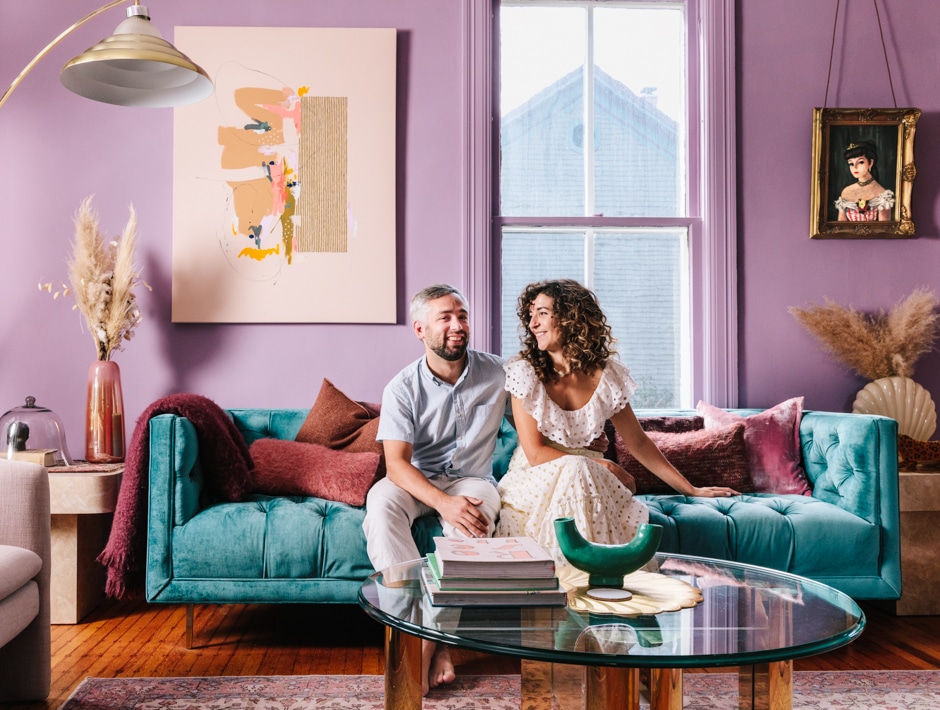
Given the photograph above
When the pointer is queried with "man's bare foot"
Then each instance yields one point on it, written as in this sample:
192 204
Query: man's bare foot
442 668
436 666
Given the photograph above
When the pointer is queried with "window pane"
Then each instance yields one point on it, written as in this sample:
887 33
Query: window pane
636 165
534 256
542 106
639 112
639 281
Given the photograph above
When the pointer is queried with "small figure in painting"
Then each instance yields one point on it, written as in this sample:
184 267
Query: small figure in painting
865 200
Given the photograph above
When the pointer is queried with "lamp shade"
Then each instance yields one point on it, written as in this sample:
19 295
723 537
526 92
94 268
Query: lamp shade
135 66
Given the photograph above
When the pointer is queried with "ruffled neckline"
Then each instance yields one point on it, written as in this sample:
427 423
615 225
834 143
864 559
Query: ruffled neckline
571 428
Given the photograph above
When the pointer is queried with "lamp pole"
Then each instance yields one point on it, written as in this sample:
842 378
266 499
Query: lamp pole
48 48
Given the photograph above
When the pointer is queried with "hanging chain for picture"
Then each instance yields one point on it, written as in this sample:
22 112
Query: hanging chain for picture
884 49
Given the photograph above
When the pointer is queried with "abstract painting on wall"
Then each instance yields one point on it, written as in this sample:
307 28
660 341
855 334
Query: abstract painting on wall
284 179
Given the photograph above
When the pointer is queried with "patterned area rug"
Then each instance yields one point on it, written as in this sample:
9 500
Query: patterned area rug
852 690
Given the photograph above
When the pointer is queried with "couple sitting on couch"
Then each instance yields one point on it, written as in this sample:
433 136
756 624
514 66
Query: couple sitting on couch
441 415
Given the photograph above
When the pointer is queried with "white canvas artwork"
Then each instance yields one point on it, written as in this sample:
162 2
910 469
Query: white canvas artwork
284 179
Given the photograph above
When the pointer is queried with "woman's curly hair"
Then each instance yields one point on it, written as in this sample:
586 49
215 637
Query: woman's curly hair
586 337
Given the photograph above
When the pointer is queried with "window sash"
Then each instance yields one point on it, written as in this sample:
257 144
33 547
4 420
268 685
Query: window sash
712 233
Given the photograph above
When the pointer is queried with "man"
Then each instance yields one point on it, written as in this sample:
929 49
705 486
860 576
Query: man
439 423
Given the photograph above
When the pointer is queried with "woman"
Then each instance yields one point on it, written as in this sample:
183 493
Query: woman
864 200
564 386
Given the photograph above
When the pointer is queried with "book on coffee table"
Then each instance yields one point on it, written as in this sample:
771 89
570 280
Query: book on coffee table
487 583
491 597
492 557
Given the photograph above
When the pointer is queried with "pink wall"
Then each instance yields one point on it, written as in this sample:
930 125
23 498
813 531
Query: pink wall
783 52
57 148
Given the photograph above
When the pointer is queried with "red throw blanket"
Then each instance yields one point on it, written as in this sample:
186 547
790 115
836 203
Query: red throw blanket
225 463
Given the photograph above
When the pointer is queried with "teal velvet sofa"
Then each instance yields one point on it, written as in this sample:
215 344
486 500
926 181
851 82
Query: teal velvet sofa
306 549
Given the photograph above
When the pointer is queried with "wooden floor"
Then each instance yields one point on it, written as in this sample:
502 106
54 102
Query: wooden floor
128 639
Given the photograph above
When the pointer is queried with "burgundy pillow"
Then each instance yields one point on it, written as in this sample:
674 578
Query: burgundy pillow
340 423
672 425
706 457
293 468
772 437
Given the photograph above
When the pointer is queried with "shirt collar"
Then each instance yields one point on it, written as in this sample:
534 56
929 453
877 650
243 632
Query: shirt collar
426 371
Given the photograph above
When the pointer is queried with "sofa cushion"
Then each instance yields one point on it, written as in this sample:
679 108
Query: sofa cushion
280 537
716 457
793 533
17 566
338 422
17 611
272 537
773 445
283 467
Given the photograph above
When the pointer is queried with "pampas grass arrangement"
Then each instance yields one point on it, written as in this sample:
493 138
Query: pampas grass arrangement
879 344
102 278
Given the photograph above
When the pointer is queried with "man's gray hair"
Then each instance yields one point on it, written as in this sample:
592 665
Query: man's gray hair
422 299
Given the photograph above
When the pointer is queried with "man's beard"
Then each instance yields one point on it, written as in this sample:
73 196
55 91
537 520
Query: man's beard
449 352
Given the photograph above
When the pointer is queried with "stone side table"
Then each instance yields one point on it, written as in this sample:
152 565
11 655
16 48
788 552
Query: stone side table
919 495
82 504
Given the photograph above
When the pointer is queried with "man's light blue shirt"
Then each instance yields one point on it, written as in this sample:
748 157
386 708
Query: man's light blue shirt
452 428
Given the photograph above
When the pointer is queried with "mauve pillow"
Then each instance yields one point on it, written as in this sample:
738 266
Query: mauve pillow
340 423
292 468
706 457
774 454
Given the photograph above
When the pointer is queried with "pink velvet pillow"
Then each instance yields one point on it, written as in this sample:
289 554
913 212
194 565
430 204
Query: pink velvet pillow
715 457
294 468
773 445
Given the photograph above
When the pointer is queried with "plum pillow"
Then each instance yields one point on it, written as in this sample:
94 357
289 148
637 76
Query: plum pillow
340 423
293 468
706 457
772 437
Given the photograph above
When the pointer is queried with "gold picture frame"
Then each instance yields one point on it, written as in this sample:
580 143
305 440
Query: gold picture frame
840 205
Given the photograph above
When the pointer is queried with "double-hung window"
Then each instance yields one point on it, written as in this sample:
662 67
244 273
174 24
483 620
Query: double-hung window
615 167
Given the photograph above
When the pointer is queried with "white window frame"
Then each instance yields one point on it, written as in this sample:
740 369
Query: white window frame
713 231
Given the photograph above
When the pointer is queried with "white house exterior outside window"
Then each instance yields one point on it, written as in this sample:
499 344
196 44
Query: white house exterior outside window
640 207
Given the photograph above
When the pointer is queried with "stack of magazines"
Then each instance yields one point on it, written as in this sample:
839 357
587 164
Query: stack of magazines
494 571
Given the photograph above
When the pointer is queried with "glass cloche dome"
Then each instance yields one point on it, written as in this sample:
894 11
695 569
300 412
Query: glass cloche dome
34 433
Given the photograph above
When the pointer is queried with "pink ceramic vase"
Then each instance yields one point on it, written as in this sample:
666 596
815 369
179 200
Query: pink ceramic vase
104 416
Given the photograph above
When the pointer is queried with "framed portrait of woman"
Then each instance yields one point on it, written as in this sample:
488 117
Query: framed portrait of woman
863 173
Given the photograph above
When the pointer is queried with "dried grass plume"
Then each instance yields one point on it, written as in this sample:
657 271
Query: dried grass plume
102 278
878 344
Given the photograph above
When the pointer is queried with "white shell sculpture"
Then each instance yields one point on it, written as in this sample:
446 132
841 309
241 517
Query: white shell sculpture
903 399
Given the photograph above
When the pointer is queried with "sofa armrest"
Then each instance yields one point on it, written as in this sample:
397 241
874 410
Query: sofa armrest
25 521
852 461
175 487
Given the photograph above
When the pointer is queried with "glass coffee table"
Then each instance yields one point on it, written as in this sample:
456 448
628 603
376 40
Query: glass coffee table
755 618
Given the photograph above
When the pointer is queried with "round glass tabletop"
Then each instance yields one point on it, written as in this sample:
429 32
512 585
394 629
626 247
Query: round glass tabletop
747 615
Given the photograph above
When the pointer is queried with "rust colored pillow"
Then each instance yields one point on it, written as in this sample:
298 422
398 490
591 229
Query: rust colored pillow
706 457
340 423
292 468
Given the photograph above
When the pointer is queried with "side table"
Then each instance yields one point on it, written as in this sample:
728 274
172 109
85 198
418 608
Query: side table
919 498
82 504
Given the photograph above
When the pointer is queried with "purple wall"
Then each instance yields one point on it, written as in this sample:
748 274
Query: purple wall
783 53
57 148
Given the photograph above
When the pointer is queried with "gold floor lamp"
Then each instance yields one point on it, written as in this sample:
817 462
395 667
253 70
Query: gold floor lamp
134 66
